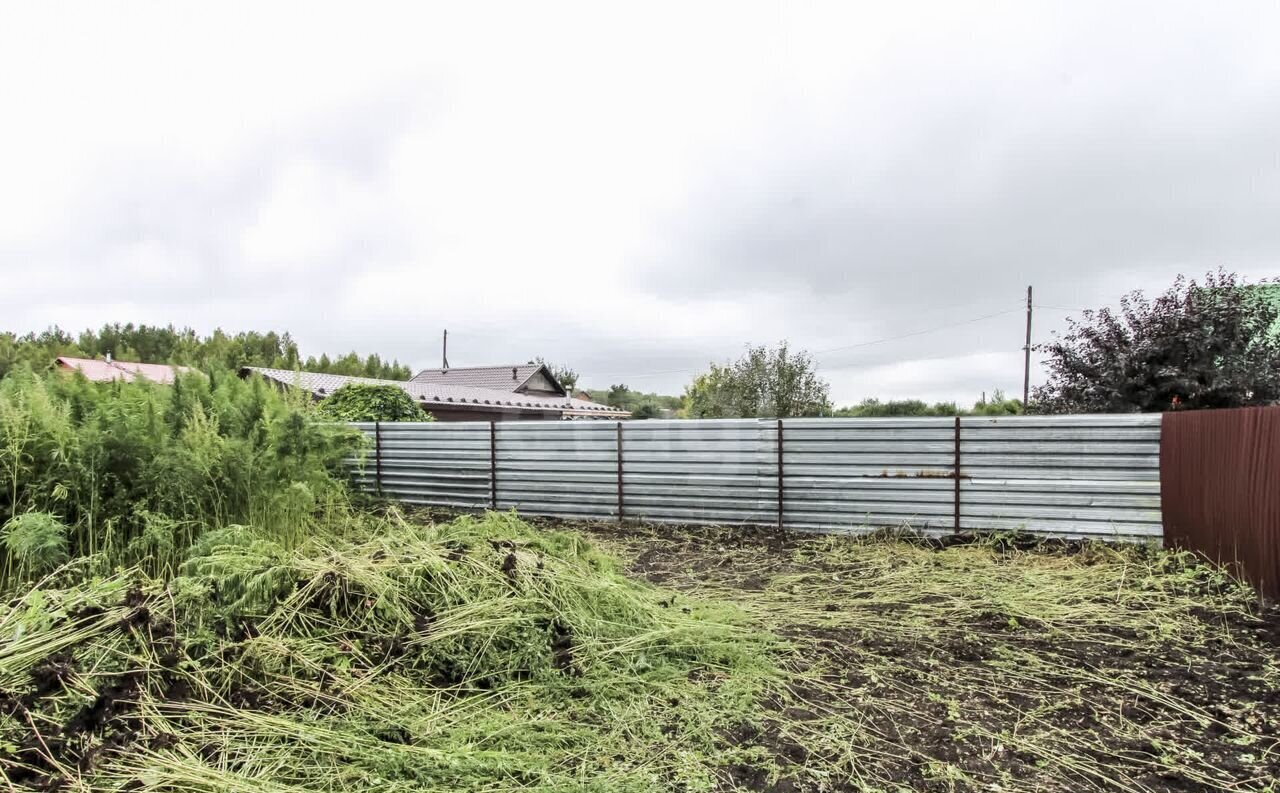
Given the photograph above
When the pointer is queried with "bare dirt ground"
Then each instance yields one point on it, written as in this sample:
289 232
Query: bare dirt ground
986 666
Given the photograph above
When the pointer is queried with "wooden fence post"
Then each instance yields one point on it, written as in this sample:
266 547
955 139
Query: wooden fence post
619 455
493 466
955 476
780 484
377 457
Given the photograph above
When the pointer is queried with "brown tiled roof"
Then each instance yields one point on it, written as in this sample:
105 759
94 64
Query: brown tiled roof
440 395
502 378
107 371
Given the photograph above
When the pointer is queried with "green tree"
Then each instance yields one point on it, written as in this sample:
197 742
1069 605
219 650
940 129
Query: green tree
1206 345
762 383
646 410
167 344
619 396
365 402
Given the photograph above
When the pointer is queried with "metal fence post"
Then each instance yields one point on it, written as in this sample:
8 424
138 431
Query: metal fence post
619 456
377 456
780 485
955 476
493 466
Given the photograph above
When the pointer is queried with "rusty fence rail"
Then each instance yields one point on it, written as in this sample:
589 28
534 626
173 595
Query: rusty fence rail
1065 476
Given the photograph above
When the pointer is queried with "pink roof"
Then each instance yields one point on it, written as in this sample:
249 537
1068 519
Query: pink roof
105 372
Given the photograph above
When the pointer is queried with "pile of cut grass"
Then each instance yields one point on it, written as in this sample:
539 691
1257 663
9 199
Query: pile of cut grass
472 655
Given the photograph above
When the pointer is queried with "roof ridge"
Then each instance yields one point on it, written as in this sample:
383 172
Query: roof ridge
432 391
487 366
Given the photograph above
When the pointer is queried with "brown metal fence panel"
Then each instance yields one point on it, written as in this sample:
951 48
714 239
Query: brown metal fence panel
1220 489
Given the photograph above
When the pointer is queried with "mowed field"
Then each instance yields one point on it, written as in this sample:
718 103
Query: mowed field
987 665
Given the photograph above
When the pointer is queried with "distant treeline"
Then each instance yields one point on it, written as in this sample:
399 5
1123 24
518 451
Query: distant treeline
998 405
155 344
648 405
641 405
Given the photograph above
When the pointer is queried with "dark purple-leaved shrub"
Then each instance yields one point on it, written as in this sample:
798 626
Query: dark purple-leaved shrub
1214 344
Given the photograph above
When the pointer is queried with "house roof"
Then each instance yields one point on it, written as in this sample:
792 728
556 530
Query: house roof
441 394
107 371
501 378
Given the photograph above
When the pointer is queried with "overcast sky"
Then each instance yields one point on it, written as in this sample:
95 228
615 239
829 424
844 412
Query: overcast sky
634 193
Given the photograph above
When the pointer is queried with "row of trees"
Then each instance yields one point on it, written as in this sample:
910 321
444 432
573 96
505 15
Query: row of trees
156 344
779 382
1214 344
998 405
1199 345
642 405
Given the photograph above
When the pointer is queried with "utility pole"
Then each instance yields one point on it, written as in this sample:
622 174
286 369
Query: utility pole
444 350
1026 359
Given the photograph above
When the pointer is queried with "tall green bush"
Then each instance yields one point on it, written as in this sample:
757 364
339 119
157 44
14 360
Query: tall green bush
368 402
137 471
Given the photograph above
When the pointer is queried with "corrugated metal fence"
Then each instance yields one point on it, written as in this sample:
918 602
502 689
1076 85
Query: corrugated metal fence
1068 476
1221 473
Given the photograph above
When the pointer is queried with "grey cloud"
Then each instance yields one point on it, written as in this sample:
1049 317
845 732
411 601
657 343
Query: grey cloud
1049 209
194 214
954 221
1111 149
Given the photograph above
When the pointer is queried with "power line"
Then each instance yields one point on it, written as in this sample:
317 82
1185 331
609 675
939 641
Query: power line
1109 304
918 332
1063 308
886 339
490 331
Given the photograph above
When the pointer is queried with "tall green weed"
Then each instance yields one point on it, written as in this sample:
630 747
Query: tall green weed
138 471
